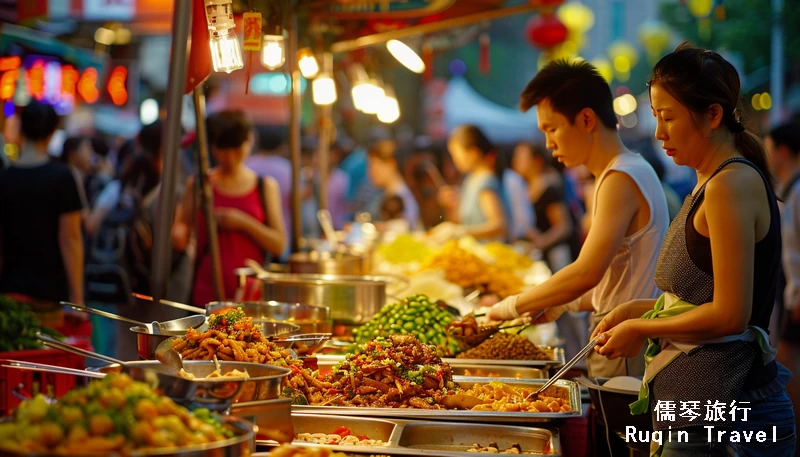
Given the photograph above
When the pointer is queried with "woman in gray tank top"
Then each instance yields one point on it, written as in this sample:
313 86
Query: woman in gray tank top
711 383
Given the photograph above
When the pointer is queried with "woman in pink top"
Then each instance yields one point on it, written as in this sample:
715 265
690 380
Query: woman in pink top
247 208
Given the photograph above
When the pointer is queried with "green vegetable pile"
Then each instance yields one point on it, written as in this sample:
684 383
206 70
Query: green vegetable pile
19 325
416 315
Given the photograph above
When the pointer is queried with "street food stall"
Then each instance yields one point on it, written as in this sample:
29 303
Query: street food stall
377 348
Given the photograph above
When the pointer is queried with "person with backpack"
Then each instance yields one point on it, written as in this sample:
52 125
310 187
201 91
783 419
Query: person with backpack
247 209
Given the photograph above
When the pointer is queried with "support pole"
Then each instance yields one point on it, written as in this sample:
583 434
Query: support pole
170 148
325 136
206 193
295 108
776 73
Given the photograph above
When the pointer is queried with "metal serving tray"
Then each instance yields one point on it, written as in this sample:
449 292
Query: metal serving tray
461 415
557 361
475 370
404 437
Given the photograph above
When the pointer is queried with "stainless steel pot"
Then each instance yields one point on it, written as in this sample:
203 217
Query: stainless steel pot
351 299
310 318
330 264
146 342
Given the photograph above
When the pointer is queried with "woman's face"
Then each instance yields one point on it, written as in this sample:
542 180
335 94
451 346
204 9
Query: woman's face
82 157
684 138
465 159
380 170
230 158
523 162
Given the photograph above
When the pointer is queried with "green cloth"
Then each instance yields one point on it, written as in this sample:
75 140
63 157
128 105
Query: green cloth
641 405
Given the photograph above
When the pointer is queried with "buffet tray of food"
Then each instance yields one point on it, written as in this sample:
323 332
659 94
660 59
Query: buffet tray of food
508 395
372 436
556 360
460 368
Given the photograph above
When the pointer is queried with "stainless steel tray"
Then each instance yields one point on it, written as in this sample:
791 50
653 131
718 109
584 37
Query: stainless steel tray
557 361
239 446
475 369
405 437
460 415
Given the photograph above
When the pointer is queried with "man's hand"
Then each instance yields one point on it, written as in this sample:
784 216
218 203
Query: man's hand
506 310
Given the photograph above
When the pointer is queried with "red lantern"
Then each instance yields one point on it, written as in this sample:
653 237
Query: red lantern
545 31
199 65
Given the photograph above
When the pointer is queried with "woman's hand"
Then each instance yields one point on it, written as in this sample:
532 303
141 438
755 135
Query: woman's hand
506 310
617 315
624 340
232 218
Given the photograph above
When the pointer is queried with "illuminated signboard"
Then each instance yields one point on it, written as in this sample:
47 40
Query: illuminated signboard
47 80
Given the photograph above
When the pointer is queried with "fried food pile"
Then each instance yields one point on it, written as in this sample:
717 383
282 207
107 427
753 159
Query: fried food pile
231 335
469 271
393 372
502 397
507 346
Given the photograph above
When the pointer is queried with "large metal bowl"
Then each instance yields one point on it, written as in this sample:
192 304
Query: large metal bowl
147 342
238 446
310 318
263 383
351 299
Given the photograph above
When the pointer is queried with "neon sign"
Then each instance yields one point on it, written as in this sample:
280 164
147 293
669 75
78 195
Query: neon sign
47 80
117 85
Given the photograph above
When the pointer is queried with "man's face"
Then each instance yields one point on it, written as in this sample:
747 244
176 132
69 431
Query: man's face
568 142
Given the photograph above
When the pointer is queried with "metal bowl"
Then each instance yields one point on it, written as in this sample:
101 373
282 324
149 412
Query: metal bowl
263 383
305 344
147 342
310 318
276 329
238 446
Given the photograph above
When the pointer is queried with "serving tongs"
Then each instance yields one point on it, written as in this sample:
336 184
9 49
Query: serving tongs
567 366
213 393
172 327
45 368
487 331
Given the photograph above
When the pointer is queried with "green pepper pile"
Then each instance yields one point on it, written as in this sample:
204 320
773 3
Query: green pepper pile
19 325
416 315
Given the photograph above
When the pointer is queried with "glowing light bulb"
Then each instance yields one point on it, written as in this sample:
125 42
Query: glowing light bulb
324 89
273 53
309 67
226 55
368 96
389 110
406 56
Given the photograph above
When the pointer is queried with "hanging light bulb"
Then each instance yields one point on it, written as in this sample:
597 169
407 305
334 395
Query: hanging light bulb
372 96
273 53
307 63
323 86
359 79
225 52
389 108
406 56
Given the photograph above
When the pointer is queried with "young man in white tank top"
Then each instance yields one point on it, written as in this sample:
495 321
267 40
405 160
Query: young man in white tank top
629 215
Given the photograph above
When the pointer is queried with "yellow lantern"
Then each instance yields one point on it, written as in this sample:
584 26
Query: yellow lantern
623 56
604 68
654 37
576 16
700 8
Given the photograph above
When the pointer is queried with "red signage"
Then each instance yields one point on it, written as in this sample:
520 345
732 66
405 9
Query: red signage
252 32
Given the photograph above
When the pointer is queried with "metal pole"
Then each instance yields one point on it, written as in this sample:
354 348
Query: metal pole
431 27
295 107
170 148
206 194
776 78
325 134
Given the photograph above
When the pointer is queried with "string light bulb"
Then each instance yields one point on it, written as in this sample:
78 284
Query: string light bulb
323 86
406 56
226 54
389 110
371 96
273 51
309 67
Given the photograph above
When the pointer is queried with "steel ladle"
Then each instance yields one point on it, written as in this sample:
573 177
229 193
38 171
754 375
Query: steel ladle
156 328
